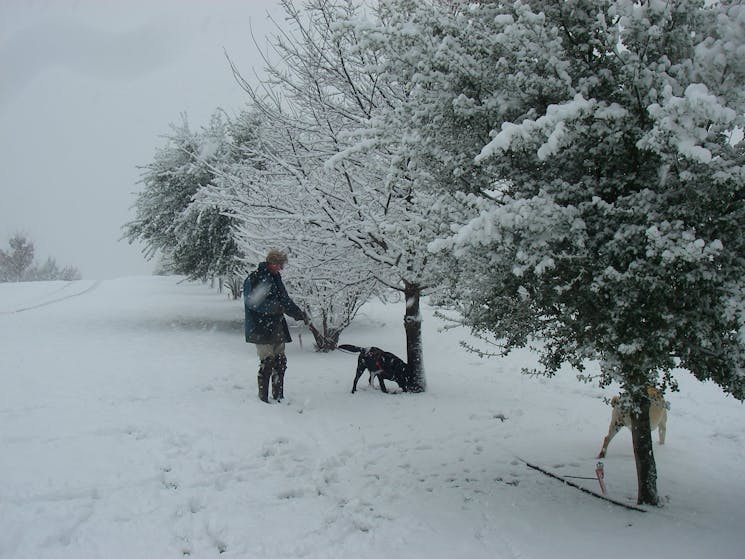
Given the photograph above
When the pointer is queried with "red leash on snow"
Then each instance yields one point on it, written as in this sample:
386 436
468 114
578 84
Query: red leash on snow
600 473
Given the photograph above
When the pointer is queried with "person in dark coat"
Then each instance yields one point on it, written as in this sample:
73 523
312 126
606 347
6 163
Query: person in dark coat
265 301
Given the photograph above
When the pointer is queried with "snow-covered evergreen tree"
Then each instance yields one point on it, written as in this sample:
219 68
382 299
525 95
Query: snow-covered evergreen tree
3 270
50 271
609 199
197 240
16 262
47 271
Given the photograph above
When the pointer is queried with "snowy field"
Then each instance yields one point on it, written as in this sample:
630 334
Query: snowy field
130 428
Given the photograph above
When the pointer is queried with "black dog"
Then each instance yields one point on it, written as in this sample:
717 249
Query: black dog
381 364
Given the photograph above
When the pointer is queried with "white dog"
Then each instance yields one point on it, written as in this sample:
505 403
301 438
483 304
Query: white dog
621 416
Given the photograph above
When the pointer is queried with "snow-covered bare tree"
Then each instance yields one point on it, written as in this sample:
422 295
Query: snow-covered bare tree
198 240
444 116
315 103
265 215
609 228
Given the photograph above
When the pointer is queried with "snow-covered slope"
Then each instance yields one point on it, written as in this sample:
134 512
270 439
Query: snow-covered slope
130 428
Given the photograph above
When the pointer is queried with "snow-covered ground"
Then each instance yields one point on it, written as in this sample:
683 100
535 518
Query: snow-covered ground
130 428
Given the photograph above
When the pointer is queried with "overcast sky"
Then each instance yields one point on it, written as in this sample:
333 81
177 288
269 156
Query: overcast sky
87 89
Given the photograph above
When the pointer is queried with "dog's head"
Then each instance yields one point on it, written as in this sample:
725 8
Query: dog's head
654 394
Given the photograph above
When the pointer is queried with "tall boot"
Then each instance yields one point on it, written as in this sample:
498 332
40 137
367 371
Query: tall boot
278 377
265 371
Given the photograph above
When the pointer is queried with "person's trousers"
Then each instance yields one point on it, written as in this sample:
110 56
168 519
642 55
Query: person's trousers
271 370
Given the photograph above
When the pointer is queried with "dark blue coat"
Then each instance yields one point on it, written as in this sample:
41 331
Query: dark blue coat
265 301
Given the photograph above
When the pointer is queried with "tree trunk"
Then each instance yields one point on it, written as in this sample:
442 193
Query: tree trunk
413 328
641 435
326 340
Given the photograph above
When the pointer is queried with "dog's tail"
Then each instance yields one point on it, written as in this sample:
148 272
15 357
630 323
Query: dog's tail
350 348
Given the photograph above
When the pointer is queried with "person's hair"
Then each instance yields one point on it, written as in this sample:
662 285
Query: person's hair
276 256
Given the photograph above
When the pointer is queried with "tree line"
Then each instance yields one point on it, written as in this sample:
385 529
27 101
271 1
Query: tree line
17 263
560 175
